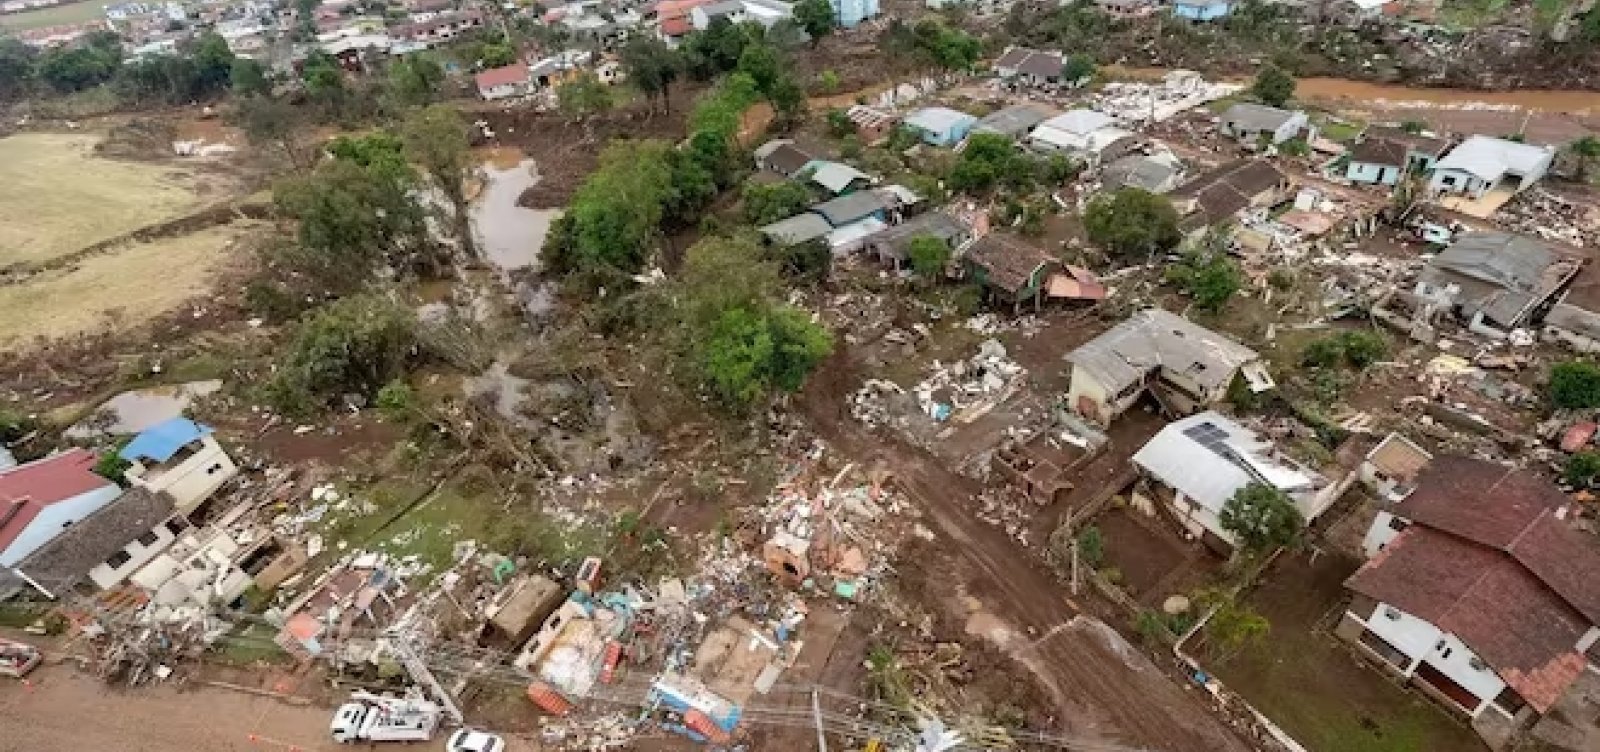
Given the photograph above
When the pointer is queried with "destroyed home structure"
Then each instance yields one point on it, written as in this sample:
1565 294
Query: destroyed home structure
1127 8
181 458
782 156
338 616
1392 467
519 609
39 500
1574 327
940 126
1086 135
1482 165
1030 66
1152 173
1200 462
1482 596
1384 155
873 125
85 549
1182 365
892 246
1013 122
1227 192
1494 281
1011 272
1253 123
206 567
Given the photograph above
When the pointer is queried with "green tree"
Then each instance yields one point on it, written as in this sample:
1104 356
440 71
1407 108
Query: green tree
213 64
1575 384
1261 518
816 17
354 345
1091 546
415 80
987 160
584 95
1232 626
496 55
1273 86
951 49
609 226
1581 469
324 81
69 69
765 204
839 123
1585 152
110 463
248 78
353 219
1208 276
436 140
928 256
829 81
763 65
275 122
1362 349
1078 68
651 67
17 61
1132 223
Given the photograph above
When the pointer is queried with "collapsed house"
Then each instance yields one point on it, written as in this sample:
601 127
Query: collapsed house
1182 365
1494 281
1200 463
1226 193
1481 595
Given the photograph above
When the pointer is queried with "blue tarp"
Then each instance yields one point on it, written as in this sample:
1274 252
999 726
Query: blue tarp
162 440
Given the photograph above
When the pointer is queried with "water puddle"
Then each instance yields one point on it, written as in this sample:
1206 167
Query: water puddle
510 235
134 411
508 391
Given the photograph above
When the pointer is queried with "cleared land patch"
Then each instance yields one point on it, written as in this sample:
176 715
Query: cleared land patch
56 196
69 13
121 288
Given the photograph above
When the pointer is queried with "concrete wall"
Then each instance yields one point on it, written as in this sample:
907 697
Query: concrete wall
1372 174
1089 398
1421 641
139 554
1456 181
192 480
53 519
1379 534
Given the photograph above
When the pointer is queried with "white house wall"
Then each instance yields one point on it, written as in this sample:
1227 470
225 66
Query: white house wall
193 480
1379 534
139 555
1420 640
1086 388
54 518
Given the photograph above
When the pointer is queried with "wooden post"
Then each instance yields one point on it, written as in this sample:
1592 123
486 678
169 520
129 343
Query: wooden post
1074 566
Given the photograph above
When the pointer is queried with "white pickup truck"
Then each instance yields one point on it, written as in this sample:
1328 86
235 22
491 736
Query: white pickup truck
376 718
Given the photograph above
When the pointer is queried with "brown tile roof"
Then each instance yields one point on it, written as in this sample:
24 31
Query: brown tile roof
788 159
1013 57
1379 151
89 541
1042 64
1224 191
1490 559
1009 263
1430 145
1519 627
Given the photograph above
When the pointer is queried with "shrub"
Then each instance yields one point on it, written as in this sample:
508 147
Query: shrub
1091 546
1582 468
1575 384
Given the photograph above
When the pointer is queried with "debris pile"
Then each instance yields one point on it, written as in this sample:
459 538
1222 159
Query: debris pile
971 386
1543 214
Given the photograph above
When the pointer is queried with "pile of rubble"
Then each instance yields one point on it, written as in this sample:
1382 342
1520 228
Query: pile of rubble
973 385
1006 509
1543 214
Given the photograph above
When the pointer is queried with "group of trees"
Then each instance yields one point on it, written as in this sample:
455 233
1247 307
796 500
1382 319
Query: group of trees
201 68
931 42
1133 224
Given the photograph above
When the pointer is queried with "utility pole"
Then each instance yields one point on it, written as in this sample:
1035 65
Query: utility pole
816 716
420 672
1074 566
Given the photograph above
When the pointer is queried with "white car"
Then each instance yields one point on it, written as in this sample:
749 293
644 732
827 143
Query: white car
467 740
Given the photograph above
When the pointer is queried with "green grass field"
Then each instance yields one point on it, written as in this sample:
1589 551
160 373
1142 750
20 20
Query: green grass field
88 10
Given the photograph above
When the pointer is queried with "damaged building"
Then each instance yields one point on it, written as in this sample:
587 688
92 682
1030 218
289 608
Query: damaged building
1494 282
1182 365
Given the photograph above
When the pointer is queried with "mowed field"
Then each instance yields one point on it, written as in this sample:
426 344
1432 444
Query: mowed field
57 15
118 289
57 197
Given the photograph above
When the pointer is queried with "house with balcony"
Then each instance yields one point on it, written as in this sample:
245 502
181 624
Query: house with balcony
181 458
1481 595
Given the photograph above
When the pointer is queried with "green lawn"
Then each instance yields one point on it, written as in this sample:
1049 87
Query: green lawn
1310 684
70 13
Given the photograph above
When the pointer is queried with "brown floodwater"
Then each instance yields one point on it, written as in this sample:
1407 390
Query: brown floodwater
1370 94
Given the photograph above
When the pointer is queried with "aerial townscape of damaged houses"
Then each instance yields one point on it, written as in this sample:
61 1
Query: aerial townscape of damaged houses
1417 525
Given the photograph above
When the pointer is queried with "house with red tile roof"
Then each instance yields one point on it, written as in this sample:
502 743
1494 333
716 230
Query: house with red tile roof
1483 596
40 499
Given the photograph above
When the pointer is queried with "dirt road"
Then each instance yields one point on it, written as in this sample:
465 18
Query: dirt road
1104 690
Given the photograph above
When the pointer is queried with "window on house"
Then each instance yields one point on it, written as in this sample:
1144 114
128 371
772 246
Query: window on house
1509 701
1446 653
118 559
1391 613
149 538
1398 523
214 469
177 525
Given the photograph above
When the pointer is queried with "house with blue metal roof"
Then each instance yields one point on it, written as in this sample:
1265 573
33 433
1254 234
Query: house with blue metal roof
181 458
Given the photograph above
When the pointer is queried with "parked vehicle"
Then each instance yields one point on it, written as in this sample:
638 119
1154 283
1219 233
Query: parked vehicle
18 658
467 740
377 718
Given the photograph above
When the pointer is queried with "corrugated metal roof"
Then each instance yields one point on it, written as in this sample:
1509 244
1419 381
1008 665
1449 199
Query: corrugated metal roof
163 440
1155 338
1490 158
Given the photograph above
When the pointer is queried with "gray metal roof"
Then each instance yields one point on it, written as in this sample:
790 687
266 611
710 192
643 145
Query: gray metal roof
1490 158
835 176
1574 319
937 119
895 241
1499 273
1209 458
1139 171
1079 121
1013 121
1256 117
846 209
1155 338
797 229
